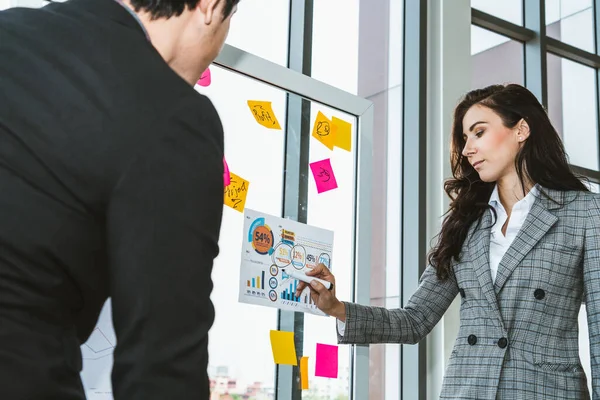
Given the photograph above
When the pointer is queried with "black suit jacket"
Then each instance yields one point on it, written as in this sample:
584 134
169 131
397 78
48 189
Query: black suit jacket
111 184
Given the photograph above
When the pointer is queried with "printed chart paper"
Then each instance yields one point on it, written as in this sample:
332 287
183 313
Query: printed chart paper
271 248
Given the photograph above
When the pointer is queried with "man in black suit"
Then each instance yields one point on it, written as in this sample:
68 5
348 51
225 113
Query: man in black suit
111 185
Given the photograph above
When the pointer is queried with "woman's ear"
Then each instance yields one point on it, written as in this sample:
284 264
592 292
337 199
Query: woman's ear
523 130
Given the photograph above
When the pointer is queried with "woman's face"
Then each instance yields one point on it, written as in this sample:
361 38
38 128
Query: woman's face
491 147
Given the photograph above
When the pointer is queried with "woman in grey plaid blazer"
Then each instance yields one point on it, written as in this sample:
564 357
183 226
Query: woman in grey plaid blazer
518 336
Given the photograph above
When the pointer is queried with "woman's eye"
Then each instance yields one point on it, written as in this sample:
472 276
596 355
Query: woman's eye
479 133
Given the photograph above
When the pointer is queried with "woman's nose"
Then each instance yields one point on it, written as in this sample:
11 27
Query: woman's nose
468 150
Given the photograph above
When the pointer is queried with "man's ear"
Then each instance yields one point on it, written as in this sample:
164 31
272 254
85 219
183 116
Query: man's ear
523 130
209 9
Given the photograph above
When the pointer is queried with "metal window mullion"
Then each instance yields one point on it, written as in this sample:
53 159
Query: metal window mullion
572 53
536 71
297 148
501 26
596 9
413 372
593 176
359 355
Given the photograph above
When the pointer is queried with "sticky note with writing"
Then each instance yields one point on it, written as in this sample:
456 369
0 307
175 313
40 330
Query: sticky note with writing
205 79
284 349
323 131
263 113
235 193
327 361
343 133
324 176
304 373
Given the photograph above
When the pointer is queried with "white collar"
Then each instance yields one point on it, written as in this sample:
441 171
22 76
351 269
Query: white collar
529 199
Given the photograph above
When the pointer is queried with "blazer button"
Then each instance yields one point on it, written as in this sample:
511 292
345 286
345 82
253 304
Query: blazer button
472 339
539 294
502 343
462 293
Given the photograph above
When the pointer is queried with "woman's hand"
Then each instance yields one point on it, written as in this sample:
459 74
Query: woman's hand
324 299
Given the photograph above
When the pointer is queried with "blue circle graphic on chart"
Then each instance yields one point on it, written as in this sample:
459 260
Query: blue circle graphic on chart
325 259
272 295
273 282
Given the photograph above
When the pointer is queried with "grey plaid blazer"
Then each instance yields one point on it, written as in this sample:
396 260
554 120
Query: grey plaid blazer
518 336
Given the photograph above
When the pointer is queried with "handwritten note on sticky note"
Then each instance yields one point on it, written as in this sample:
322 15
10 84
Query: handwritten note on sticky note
324 176
323 131
205 79
343 133
304 373
284 349
235 194
263 113
327 361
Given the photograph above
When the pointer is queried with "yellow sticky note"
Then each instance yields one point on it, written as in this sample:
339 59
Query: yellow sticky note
235 194
304 373
343 133
263 113
323 131
284 349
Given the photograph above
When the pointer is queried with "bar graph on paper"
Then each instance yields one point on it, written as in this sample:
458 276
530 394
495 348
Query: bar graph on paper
272 246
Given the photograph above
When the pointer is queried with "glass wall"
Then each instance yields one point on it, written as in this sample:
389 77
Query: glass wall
509 10
495 59
572 22
363 55
572 92
269 22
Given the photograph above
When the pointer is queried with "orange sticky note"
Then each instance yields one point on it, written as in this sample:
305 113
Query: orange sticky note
304 373
235 193
342 133
284 349
323 131
263 113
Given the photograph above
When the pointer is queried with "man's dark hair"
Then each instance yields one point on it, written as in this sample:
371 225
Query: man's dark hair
173 8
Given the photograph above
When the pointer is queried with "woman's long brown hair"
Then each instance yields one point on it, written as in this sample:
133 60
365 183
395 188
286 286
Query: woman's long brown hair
542 159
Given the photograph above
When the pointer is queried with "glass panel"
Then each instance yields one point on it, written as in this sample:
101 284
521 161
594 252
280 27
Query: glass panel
363 55
261 27
335 51
571 21
573 109
509 10
495 59
242 363
332 210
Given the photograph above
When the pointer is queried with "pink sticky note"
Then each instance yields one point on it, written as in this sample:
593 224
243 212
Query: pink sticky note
324 176
327 361
226 174
205 78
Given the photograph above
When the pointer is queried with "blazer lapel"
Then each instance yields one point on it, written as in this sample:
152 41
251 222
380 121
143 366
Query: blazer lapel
480 255
538 222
